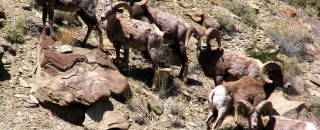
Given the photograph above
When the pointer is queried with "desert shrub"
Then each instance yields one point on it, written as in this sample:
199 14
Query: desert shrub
140 120
315 109
247 14
31 28
13 32
225 20
177 123
33 4
291 37
66 36
311 7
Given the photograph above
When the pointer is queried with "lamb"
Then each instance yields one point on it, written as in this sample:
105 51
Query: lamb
221 64
254 90
256 122
125 32
84 8
175 27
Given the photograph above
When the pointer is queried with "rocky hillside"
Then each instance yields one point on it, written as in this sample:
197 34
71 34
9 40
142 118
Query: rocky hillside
286 31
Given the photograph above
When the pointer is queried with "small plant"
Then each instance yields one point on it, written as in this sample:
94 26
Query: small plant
139 120
247 14
66 36
315 109
177 123
225 20
13 32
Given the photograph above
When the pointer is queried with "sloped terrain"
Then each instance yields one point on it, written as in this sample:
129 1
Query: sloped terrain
252 27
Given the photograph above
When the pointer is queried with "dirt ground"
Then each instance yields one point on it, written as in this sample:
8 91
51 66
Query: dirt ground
185 105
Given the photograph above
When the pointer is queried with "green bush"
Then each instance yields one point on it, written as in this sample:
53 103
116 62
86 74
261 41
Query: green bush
13 32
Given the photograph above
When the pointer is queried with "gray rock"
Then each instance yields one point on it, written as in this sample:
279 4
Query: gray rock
155 104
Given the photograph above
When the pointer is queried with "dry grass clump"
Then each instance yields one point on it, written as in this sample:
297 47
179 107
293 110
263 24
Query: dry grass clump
139 120
66 36
13 32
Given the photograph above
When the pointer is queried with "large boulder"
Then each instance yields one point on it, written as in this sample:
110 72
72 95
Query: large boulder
75 77
100 116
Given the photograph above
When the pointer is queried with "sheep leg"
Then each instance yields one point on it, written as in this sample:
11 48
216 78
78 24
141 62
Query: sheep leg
51 13
126 56
117 47
86 19
44 19
153 52
221 115
180 51
209 120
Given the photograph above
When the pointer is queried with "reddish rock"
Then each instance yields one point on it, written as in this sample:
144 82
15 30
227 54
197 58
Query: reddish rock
70 78
290 12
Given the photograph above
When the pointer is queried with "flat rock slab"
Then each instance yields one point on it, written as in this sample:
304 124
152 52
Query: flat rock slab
70 77
286 108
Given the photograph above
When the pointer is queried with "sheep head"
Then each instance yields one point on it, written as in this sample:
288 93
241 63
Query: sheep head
203 37
111 10
253 113
272 72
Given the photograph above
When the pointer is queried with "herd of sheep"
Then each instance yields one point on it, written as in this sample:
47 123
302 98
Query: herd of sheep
248 82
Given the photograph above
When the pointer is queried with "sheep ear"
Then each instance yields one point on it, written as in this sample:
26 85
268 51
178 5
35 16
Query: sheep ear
214 33
243 107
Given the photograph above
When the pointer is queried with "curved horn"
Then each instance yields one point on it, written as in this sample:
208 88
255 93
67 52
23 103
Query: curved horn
191 30
214 33
124 5
243 105
141 3
271 65
265 106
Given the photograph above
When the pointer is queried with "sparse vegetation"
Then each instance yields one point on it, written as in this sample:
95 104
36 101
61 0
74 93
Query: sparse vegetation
13 31
66 36
291 37
225 20
177 123
311 7
139 120
247 14
315 108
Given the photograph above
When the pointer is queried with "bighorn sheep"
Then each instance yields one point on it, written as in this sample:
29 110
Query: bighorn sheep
223 97
256 122
125 32
221 64
175 27
84 8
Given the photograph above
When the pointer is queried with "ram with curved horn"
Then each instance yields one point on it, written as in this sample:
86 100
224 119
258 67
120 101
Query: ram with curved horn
222 98
125 32
218 63
174 27
253 113
254 116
